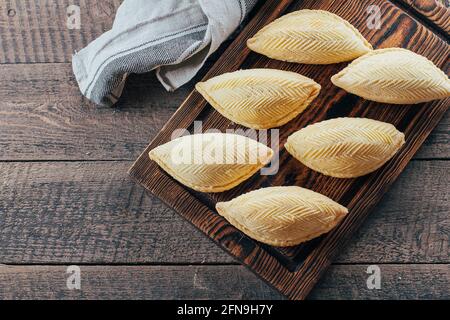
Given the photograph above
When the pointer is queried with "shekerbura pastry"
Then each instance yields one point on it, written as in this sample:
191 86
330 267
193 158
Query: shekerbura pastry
259 98
394 75
310 36
282 216
211 162
345 147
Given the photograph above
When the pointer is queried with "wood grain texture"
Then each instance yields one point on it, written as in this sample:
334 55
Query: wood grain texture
207 282
398 282
294 271
438 142
35 31
435 12
44 117
134 282
90 212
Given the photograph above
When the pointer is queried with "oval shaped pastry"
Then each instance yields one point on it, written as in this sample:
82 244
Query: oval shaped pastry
211 162
310 36
394 75
345 147
259 98
282 216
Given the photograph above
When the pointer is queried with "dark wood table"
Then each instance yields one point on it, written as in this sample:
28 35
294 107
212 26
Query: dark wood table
66 199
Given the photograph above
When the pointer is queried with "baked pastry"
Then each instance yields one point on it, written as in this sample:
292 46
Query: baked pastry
211 162
345 147
394 75
310 36
282 216
259 98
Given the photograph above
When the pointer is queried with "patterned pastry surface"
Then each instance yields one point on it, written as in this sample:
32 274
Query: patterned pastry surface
394 75
311 37
211 162
282 216
259 98
345 147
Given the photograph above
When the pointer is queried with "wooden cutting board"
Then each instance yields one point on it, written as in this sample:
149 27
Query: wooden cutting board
295 270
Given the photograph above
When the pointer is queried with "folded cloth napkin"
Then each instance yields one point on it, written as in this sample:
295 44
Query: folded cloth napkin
172 36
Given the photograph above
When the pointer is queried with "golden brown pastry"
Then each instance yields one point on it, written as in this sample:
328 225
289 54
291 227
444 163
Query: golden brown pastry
282 216
345 147
211 162
259 98
394 75
310 36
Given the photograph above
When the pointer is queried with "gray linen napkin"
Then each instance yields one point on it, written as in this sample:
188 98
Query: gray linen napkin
172 36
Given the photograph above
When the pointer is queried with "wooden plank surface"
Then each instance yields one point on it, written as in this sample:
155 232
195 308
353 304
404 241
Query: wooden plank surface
44 35
397 282
90 212
295 271
44 117
207 282
435 12
35 31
